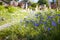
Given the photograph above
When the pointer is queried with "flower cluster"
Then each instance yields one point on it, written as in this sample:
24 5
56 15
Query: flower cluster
47 20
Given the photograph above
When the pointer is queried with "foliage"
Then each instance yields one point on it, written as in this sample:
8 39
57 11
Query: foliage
25 0
1 3
33 6
10 13
42 25
43 2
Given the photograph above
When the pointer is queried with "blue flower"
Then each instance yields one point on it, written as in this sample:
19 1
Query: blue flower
54 23
49 29
36 24
59 21
40 22
49 17
58 14
36 14
45 22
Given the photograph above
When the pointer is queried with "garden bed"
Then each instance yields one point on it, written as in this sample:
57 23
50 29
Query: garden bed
42 25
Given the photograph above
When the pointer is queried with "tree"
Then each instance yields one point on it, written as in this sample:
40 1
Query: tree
25 0
42 2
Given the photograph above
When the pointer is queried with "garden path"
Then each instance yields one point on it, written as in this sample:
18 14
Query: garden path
8 24
14 21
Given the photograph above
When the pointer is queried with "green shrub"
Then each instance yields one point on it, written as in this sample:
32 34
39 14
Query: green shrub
1 8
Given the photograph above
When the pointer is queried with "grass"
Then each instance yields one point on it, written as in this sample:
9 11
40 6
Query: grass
10 13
